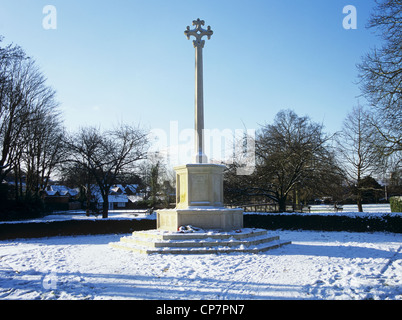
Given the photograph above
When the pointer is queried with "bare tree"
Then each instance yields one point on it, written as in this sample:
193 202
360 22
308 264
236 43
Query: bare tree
73 174
105 155
44 149
357 153
8 55
381 75
291 153
30 126
14 112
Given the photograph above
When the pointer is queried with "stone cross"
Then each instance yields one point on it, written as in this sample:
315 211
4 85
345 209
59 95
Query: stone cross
198 32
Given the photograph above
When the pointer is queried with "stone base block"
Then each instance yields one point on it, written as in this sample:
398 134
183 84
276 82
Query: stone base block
205 218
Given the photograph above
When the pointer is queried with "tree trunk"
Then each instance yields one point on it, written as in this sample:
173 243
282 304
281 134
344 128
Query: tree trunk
359 201
105 207
359 205
88 196
282 204
359 192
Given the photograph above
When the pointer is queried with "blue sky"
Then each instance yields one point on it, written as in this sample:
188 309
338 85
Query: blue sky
130 61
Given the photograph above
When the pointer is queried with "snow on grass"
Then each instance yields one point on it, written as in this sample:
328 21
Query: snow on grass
369 210
317 265
80 215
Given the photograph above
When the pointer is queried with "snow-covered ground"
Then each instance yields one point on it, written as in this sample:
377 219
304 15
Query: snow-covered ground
317 265
80 215
367 208
350 210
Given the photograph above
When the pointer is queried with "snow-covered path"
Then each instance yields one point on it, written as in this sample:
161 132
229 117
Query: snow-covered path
317 265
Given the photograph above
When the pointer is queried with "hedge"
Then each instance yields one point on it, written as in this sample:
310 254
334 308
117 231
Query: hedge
383 223
72 228
396 204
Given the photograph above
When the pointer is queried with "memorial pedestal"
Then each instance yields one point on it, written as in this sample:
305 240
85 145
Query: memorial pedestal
199 201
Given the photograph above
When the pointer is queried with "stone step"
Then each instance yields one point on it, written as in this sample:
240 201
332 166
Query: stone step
162 235
203 242
200 250
207 242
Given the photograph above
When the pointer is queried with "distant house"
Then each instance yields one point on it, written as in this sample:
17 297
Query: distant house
120 197
132 189
58 194
115 201
60 197
117 189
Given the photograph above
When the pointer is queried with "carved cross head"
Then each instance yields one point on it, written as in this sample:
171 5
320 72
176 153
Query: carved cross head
198 32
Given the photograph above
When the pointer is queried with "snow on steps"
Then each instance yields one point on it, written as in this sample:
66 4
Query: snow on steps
202 242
